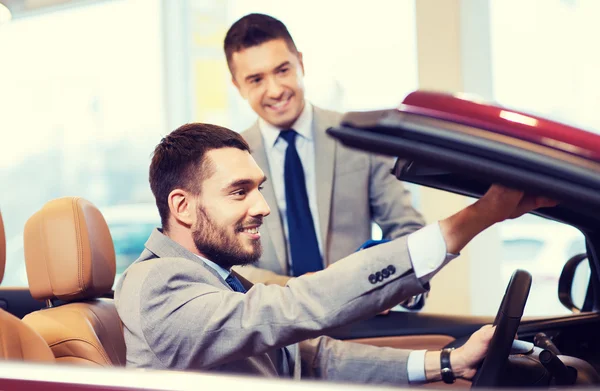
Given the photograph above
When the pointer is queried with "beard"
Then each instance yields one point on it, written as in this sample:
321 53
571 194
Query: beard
220 246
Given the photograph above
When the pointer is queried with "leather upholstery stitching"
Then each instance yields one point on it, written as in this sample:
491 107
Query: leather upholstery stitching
106 359
44 243
2 344
79 241
105 329
21 343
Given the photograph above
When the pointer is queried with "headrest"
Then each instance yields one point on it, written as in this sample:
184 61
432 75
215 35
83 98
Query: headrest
69 253
2 249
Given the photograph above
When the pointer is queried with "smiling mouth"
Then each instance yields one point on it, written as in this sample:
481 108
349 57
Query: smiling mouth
279 106
253 230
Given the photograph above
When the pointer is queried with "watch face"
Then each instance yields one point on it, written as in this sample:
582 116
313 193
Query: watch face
448 376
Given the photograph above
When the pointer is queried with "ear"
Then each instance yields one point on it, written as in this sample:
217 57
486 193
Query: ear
301 61
237 86
182 207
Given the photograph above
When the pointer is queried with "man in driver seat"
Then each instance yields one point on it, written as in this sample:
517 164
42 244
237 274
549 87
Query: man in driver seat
183 308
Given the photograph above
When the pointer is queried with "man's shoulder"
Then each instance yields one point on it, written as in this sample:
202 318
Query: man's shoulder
326 118
251 134
160 272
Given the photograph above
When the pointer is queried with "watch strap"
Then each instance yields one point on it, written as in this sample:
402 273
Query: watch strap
446 369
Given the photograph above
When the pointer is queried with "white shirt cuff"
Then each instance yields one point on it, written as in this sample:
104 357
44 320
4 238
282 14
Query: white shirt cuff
415 366
427 250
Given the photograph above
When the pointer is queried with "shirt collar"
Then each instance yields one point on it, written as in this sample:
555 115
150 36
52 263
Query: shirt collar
224 273
303 126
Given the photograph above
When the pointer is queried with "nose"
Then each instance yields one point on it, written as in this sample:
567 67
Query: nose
259 206
274 88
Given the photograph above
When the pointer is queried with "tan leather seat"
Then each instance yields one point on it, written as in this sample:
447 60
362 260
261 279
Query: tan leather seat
70 256
17 340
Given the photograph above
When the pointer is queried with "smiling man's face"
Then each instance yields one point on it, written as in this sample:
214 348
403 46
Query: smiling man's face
271 78
230 209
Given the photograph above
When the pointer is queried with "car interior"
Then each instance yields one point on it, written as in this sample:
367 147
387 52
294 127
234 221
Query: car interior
71 267
68 314
70 262
84 98
18 340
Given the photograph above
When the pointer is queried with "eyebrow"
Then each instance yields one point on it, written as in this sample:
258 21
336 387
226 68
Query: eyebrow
250 77
244 182
278 67
282 65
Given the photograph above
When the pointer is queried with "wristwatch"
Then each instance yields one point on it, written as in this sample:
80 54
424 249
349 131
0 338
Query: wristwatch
447 373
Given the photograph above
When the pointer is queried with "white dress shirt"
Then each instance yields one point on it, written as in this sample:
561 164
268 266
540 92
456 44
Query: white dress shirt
427 250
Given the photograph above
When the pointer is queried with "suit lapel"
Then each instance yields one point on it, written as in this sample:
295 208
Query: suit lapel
272 222
325 166
163 247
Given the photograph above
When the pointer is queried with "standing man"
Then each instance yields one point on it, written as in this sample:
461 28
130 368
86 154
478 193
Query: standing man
325 196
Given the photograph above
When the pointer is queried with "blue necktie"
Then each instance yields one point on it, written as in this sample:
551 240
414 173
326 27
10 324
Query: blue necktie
235 284
304 247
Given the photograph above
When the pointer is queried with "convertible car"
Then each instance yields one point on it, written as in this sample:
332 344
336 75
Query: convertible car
458 145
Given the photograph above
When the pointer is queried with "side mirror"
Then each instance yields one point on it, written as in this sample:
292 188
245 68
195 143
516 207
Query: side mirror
574 283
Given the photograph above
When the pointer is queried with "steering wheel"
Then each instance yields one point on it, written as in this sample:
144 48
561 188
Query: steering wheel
506 322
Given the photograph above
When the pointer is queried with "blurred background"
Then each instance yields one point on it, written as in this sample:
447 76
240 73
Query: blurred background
89 87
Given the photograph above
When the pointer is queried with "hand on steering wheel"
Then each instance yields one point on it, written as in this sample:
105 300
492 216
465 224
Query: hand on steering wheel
506 322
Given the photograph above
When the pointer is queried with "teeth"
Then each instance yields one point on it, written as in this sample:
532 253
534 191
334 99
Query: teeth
251 230
279 104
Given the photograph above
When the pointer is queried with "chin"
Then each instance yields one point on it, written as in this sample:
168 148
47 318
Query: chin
284 123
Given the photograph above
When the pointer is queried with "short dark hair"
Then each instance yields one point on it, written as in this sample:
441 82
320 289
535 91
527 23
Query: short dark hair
179 160
253 30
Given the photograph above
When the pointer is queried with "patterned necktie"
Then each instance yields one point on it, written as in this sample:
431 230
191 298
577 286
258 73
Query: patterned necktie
304 247
235 284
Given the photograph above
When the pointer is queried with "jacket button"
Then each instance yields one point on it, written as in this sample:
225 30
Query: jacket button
391 269
385 273
372 279
379 276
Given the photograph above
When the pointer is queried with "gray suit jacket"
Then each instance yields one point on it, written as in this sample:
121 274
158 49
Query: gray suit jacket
178 313
354 189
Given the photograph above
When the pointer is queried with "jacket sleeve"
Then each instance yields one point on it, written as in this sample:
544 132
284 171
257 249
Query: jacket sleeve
261 276
392 210
192 324
330 359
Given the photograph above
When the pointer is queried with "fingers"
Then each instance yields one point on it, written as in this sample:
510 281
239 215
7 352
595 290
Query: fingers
530 202
507 192
486 330
499 203
518 197
544 202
